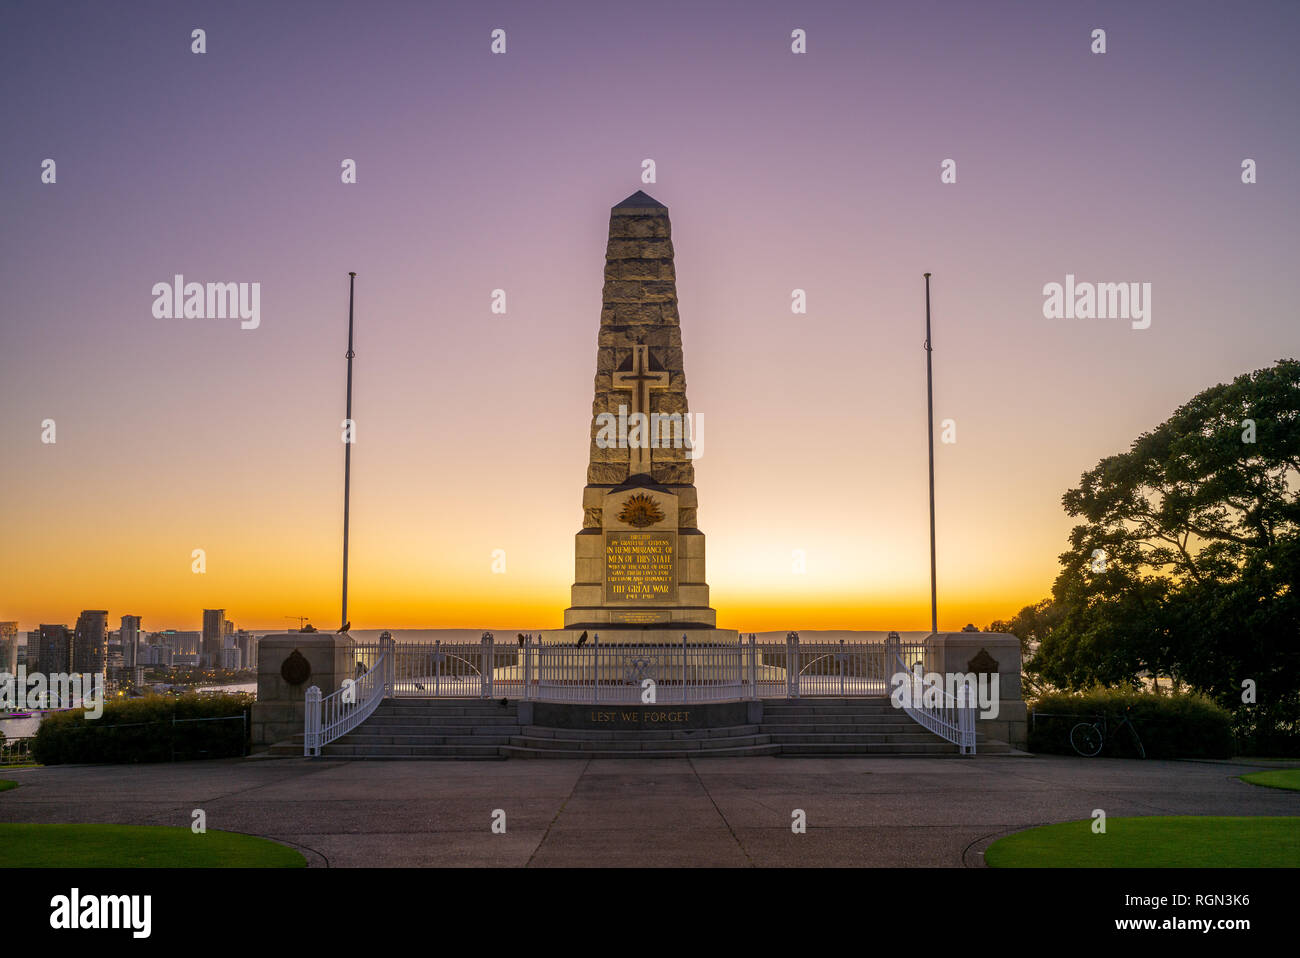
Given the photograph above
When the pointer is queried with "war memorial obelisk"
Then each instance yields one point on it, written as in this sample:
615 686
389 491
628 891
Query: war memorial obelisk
640 555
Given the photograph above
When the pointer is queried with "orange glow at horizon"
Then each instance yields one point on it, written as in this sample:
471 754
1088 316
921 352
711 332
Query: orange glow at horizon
415 566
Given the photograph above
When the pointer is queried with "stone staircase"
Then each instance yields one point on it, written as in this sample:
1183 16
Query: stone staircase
855 726
410 728
735 741
424 728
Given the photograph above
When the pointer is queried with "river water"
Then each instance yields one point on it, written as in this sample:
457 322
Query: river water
24 724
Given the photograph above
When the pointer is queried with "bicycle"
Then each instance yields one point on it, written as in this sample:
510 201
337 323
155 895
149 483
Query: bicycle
1087 738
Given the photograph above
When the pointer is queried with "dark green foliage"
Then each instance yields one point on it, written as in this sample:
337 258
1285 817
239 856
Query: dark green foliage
1186 725
1031 625
1187 562
156 728
1270 728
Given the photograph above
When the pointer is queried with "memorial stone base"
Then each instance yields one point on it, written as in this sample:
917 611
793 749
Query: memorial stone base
966 652
653 635
279 712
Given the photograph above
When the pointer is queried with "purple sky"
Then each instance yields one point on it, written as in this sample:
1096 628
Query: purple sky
478 172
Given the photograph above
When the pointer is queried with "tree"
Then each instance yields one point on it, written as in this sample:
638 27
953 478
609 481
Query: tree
1187 561
1031 625
1206 491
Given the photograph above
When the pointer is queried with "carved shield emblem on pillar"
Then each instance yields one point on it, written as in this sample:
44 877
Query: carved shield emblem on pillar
982 662
295 669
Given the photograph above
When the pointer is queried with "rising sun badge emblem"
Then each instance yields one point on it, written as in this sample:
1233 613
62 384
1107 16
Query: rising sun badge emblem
640 511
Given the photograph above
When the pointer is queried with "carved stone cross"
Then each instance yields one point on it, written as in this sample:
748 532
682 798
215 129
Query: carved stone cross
640 380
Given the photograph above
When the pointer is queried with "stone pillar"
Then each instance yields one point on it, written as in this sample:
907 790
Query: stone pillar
323 659
640 501
985 652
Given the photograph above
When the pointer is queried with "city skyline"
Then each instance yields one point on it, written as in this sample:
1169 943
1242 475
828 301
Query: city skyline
819 172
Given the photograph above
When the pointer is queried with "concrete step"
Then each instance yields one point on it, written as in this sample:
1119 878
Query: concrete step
869 706
415 720
285 750
599 735
386 746
936 747
339 750
437 728
424 719
920 737
423 738
748 751
628 744
447 706
837 726
831 700
826 726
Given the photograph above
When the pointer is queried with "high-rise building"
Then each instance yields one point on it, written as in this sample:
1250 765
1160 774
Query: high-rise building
130 635
33 650
90 642
182 643
9 647
113 669
158 655
55 654
247 643
214 628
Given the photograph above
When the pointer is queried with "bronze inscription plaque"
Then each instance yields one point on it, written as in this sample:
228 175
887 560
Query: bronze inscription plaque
640 566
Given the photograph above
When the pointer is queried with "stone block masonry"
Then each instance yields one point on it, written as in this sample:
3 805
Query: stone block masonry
639 558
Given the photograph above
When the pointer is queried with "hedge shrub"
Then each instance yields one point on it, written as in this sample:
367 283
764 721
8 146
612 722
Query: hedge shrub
149 729
1182 725
1270 727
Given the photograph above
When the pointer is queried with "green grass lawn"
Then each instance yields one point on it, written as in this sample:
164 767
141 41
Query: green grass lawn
1179 841
137 846
6 784
1276 778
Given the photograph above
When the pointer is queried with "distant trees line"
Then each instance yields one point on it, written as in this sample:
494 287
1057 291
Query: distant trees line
1186 563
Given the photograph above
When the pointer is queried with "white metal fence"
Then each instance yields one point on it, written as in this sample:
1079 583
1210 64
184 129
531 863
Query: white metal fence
16 751
338 713
631 673
623 672
949 716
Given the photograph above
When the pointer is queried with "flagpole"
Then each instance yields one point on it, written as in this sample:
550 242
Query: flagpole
929 424
347 455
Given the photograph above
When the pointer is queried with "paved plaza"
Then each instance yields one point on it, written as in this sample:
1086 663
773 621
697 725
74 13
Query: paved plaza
669 812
